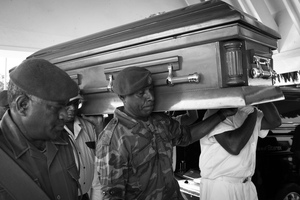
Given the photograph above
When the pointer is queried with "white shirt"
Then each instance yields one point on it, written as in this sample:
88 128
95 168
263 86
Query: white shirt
84 132
216 162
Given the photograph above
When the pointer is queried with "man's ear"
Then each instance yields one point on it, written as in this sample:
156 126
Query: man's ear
22 103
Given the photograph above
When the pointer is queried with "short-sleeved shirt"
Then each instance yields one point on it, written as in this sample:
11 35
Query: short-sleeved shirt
214 155
134 158
84 132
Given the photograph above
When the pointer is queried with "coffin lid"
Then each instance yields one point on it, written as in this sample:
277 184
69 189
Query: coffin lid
193 18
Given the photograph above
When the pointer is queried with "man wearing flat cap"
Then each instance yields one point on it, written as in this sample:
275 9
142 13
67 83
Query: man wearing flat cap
37 161
134 151
82 131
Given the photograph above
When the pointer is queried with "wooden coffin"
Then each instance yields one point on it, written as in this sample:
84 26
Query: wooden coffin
207 55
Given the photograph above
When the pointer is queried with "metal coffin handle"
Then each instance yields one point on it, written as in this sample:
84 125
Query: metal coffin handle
258 71
191 78
108 88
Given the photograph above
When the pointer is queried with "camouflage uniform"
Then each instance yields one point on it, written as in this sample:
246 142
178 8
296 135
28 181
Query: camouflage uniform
134 158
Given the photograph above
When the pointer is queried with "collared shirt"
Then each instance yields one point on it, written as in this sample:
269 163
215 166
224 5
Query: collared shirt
84 132
216 162
54 169
214 155
134 158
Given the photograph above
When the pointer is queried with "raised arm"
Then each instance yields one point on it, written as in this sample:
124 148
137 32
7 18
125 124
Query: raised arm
234 141
190 117
271 117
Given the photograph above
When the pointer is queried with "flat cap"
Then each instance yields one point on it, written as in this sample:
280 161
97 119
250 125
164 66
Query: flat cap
3 98
131 80
43 79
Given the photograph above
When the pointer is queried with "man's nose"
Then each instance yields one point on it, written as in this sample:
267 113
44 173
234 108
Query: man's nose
63 114
150 95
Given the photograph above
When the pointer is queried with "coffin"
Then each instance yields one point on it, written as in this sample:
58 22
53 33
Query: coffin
208 55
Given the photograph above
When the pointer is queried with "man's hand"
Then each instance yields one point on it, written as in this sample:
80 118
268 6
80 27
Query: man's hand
247 109
226 112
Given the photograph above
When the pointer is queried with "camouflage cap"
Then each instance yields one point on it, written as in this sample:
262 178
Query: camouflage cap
131 80
43 79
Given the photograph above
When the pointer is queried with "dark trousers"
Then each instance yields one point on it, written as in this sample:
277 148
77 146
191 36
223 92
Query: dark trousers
84 197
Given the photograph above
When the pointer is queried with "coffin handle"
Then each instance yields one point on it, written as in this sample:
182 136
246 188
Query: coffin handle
191 78
108 88
110 85
258 71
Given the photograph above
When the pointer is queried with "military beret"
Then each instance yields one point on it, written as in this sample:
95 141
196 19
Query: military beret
131 80
3 98
43 79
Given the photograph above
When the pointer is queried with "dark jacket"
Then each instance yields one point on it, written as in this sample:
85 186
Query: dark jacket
54 171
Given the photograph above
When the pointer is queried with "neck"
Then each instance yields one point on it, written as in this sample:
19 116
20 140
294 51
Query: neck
135 117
